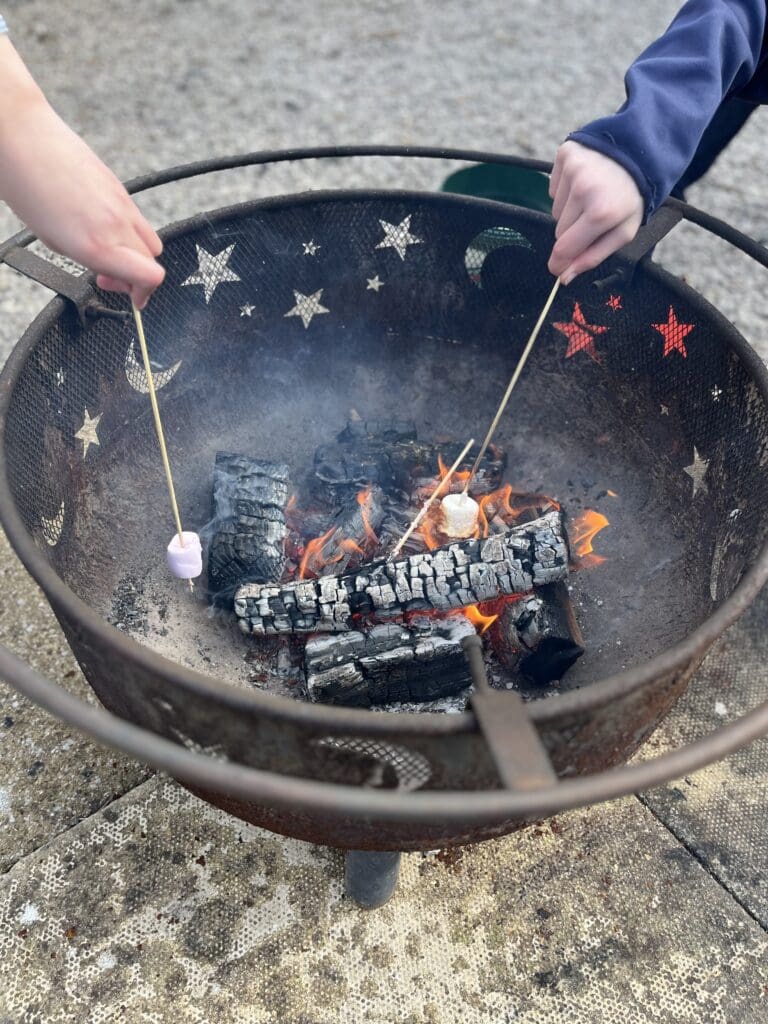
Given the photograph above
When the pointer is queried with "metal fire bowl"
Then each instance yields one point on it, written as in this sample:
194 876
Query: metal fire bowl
436 343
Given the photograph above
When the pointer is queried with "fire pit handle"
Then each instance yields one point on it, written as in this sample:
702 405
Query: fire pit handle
362 803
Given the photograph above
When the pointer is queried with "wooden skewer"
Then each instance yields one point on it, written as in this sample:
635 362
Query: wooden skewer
426 506
158 425
515 376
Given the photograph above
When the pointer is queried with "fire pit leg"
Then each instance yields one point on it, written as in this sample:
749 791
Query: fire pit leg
370 877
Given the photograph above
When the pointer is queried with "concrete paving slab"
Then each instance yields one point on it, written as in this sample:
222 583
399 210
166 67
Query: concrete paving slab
161 907
719 814
50 776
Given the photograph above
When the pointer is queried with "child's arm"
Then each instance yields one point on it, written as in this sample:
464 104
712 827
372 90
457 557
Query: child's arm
65 194
615 172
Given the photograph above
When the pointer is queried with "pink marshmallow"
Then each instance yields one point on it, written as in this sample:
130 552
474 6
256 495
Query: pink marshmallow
185 562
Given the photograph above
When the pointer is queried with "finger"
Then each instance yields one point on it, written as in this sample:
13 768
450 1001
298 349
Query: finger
112 284
570 213
583 233
126 264
600 250
557 172
148 235
561 195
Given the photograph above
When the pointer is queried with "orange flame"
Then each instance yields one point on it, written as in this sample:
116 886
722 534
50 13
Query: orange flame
363 500
311 554
583 531
459 477
476 617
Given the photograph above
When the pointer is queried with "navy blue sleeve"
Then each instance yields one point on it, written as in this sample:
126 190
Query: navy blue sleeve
673 89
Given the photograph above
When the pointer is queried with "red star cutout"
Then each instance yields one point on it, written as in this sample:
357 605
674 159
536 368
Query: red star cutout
581 335
614 302
674 334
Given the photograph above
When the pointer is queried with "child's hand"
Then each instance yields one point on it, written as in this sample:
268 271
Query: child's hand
76 205
597 206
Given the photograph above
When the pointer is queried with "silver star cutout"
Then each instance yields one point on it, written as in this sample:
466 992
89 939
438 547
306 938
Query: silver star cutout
398 236
60 377
374 284
716 393
212 270
697 471
87 433
310 247
307 306
247 309
665 410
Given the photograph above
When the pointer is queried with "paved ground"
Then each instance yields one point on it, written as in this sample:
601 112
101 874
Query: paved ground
125 899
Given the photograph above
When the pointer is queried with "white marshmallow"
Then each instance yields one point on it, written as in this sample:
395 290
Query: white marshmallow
460 514
185 562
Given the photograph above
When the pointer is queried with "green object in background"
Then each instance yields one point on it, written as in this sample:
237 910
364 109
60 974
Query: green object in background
503 183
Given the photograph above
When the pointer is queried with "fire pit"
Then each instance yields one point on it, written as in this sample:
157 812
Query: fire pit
294 339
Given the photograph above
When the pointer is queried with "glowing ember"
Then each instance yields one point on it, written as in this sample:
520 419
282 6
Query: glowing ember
582 532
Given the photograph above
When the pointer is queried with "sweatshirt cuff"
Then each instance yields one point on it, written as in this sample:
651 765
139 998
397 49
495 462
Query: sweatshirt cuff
603 143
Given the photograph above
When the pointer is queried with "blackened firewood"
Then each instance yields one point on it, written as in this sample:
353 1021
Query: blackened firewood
538 636
247 544
462 573
354 530
359 431
391 663
406 465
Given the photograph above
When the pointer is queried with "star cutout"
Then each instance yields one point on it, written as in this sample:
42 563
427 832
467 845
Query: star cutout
87 433
310 247
581 335
307 306
697 471
665 410
716 393
374 284
247 309
398 236
212 270
614 302
674 334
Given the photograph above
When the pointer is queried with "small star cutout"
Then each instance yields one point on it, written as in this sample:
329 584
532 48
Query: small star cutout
374 284
60 377
697 471
212 270
581 335
614 302
310 247
734 514
674 334
247 309
87 433
665 410
307 306
398 236
716 393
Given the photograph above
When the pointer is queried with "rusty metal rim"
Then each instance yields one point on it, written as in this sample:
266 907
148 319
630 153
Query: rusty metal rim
466 808
345 720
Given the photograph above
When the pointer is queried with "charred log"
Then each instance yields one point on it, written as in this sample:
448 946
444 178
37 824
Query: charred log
249 498
418 662
387 455
538 636
465 572
354 529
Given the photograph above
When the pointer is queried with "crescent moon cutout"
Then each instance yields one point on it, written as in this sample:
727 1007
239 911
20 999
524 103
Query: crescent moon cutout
52 528
137 377
485 243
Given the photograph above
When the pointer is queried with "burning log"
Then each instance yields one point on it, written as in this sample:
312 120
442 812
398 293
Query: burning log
353 529
391 663
459 574
249 498
389 455
538 636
